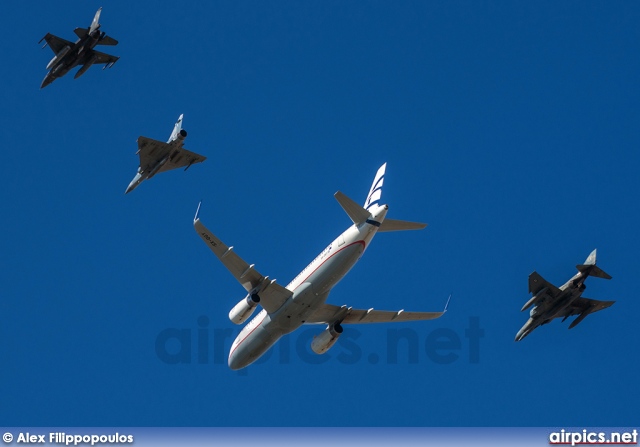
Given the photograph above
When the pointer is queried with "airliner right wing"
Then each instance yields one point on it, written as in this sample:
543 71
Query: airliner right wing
272 295
328 313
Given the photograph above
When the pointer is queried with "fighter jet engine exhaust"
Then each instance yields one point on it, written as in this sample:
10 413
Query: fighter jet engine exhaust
323 342
244 309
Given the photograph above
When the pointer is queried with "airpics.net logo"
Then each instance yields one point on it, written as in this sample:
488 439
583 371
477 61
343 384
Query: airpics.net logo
585 437
206 345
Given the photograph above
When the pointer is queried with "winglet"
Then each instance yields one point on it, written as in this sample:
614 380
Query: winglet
197 216
446 306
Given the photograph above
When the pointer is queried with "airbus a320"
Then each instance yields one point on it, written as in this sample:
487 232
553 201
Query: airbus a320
303 300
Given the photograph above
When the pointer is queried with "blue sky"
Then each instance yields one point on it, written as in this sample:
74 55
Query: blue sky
512 128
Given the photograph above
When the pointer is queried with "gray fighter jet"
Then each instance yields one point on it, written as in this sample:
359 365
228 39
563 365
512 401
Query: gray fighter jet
69 54
550 302
156 156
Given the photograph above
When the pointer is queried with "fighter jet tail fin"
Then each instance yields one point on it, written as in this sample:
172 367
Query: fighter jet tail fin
177 130
95 24
589 267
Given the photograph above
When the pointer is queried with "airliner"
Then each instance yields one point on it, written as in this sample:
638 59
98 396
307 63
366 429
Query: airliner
303 300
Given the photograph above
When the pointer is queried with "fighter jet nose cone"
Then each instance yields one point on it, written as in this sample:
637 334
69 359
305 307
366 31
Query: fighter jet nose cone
134 183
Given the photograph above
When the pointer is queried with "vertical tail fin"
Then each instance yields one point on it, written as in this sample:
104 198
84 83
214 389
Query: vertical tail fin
375 193
178 132
95 24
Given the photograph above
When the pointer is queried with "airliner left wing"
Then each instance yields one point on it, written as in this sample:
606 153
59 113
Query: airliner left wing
272 295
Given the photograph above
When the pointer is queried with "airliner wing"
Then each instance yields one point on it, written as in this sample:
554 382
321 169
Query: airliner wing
328 313
272 295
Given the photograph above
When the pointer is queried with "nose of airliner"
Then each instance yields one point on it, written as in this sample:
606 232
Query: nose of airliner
235 362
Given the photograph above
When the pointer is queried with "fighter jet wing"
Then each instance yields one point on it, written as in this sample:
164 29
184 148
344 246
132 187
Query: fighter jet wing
328 313
151 151
103 58
182 158
537 283
581 304
272 295
57 43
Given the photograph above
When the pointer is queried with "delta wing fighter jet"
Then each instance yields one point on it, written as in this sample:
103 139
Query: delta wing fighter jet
285 309
156 156
551 302
69 54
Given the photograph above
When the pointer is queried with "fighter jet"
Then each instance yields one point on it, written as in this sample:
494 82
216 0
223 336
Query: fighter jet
550 302
156 156
69 55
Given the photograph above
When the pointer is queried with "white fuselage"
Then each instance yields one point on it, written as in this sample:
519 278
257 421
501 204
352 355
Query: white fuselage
310 289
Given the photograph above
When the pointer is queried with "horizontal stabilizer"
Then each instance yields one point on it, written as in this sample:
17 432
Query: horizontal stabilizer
593 270
106 40
81 32
400 225
589 267
356 213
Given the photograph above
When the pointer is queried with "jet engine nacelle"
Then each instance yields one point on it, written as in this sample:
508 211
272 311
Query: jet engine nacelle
58 56
181 135
244 309
323 342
